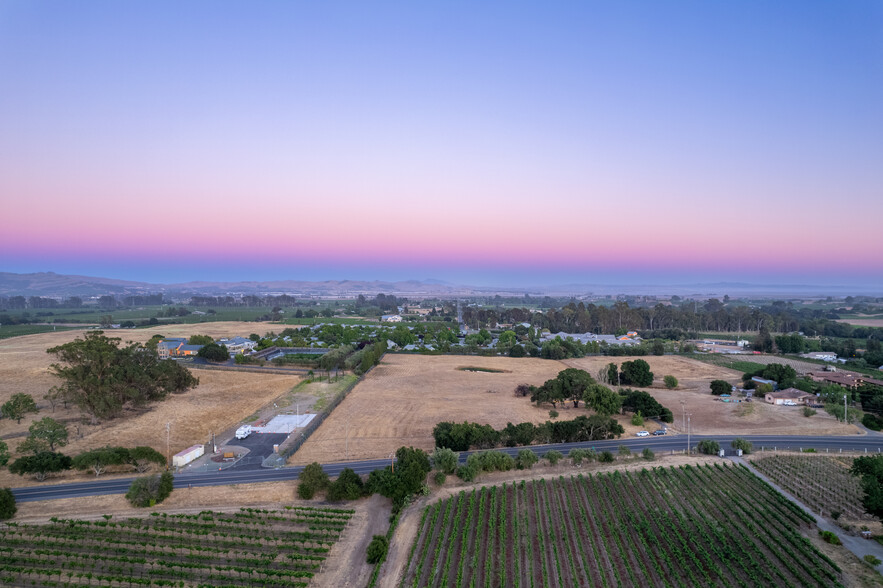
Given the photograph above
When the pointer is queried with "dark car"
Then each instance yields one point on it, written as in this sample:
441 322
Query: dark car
659 432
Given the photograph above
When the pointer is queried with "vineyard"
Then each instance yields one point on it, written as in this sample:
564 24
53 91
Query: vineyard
252 547
824 484
686 526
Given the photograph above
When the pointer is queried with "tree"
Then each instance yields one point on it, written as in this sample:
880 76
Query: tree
214 352
640 400
98 460
602 400
200 340
638 420
7 504
870 469
671 382
525 459
142 458
347 486
402 335
636 373
409 475
150 490
744 444
18 406
51 431
708 447
719 387
784 375
33 446
574 383
377 549
612 374
102 379
40 465
311 480
506 340
658 347
4 453
445 460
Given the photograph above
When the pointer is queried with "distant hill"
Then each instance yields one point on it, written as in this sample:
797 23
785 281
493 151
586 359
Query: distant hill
52 285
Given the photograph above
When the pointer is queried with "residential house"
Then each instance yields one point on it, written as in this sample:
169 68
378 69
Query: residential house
790 397
758 381
238 345
391 318
176 347
823 355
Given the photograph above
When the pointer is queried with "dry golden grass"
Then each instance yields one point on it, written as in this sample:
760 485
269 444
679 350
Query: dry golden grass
221 400
863 322
403 398
710 416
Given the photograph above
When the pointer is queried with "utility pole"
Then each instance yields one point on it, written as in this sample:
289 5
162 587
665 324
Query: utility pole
347 439
169 443
844 409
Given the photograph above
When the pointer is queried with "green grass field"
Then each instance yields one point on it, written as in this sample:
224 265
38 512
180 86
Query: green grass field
7 331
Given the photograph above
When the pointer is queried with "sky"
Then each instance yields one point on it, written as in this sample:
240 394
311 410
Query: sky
492 143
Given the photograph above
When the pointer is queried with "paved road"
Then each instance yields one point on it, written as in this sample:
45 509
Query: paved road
251 474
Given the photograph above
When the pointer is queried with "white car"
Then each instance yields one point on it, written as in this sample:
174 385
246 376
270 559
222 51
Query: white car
642 434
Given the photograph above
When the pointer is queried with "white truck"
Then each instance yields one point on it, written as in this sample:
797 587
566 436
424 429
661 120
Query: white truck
243 431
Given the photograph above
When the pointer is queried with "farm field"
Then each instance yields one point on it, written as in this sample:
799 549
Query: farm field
822 483
685 526
251 547
402 399
219 402
863 321
800 366
710 417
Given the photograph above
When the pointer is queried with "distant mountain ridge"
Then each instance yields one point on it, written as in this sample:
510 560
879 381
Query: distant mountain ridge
51 284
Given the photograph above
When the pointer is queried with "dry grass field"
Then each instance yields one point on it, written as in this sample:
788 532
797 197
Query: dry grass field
220 401
402 399
863 322
710 416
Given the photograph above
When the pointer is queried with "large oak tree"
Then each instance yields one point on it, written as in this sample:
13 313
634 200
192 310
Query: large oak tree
102 378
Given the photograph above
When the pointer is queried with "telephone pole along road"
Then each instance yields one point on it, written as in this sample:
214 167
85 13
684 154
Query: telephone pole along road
254 474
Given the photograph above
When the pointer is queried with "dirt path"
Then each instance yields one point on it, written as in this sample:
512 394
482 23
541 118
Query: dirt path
860 547
346 564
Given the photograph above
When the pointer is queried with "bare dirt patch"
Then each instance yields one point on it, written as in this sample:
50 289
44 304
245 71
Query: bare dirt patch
221 400
402 399
711 416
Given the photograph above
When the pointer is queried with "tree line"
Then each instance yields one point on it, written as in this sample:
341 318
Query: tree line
466 435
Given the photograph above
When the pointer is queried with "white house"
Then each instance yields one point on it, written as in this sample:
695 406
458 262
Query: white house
823 355
391 318
238 345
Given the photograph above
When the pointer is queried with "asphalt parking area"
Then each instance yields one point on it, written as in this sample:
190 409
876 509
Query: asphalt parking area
260 444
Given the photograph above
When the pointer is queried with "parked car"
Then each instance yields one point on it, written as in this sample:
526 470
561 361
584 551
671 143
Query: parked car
642 434
659 432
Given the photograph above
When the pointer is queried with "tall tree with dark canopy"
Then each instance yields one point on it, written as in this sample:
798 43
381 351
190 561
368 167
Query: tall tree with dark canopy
636 373
871 471
103 379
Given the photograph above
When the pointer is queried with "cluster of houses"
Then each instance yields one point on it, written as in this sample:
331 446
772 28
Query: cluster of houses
629 339
177 347
795 397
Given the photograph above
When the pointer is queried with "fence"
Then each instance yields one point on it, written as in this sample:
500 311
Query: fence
252 369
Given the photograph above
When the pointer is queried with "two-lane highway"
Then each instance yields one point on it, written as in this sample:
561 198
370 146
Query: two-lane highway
867 443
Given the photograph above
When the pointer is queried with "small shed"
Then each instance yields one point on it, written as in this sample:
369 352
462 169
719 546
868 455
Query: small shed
184 457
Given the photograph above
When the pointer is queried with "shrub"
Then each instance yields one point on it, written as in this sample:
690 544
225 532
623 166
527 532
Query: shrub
525 460
872 560
605 457
553 414
708 447
808 412
872 421
671 382
829 537
439 478
625 451
466 473
553 456
809 450
377 549
719 387
444 460
743 444
7 504
150 490
835 514
578 455
638 420
311 480
648 454
347 486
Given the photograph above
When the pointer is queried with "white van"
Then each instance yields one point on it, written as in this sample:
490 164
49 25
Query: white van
243 431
